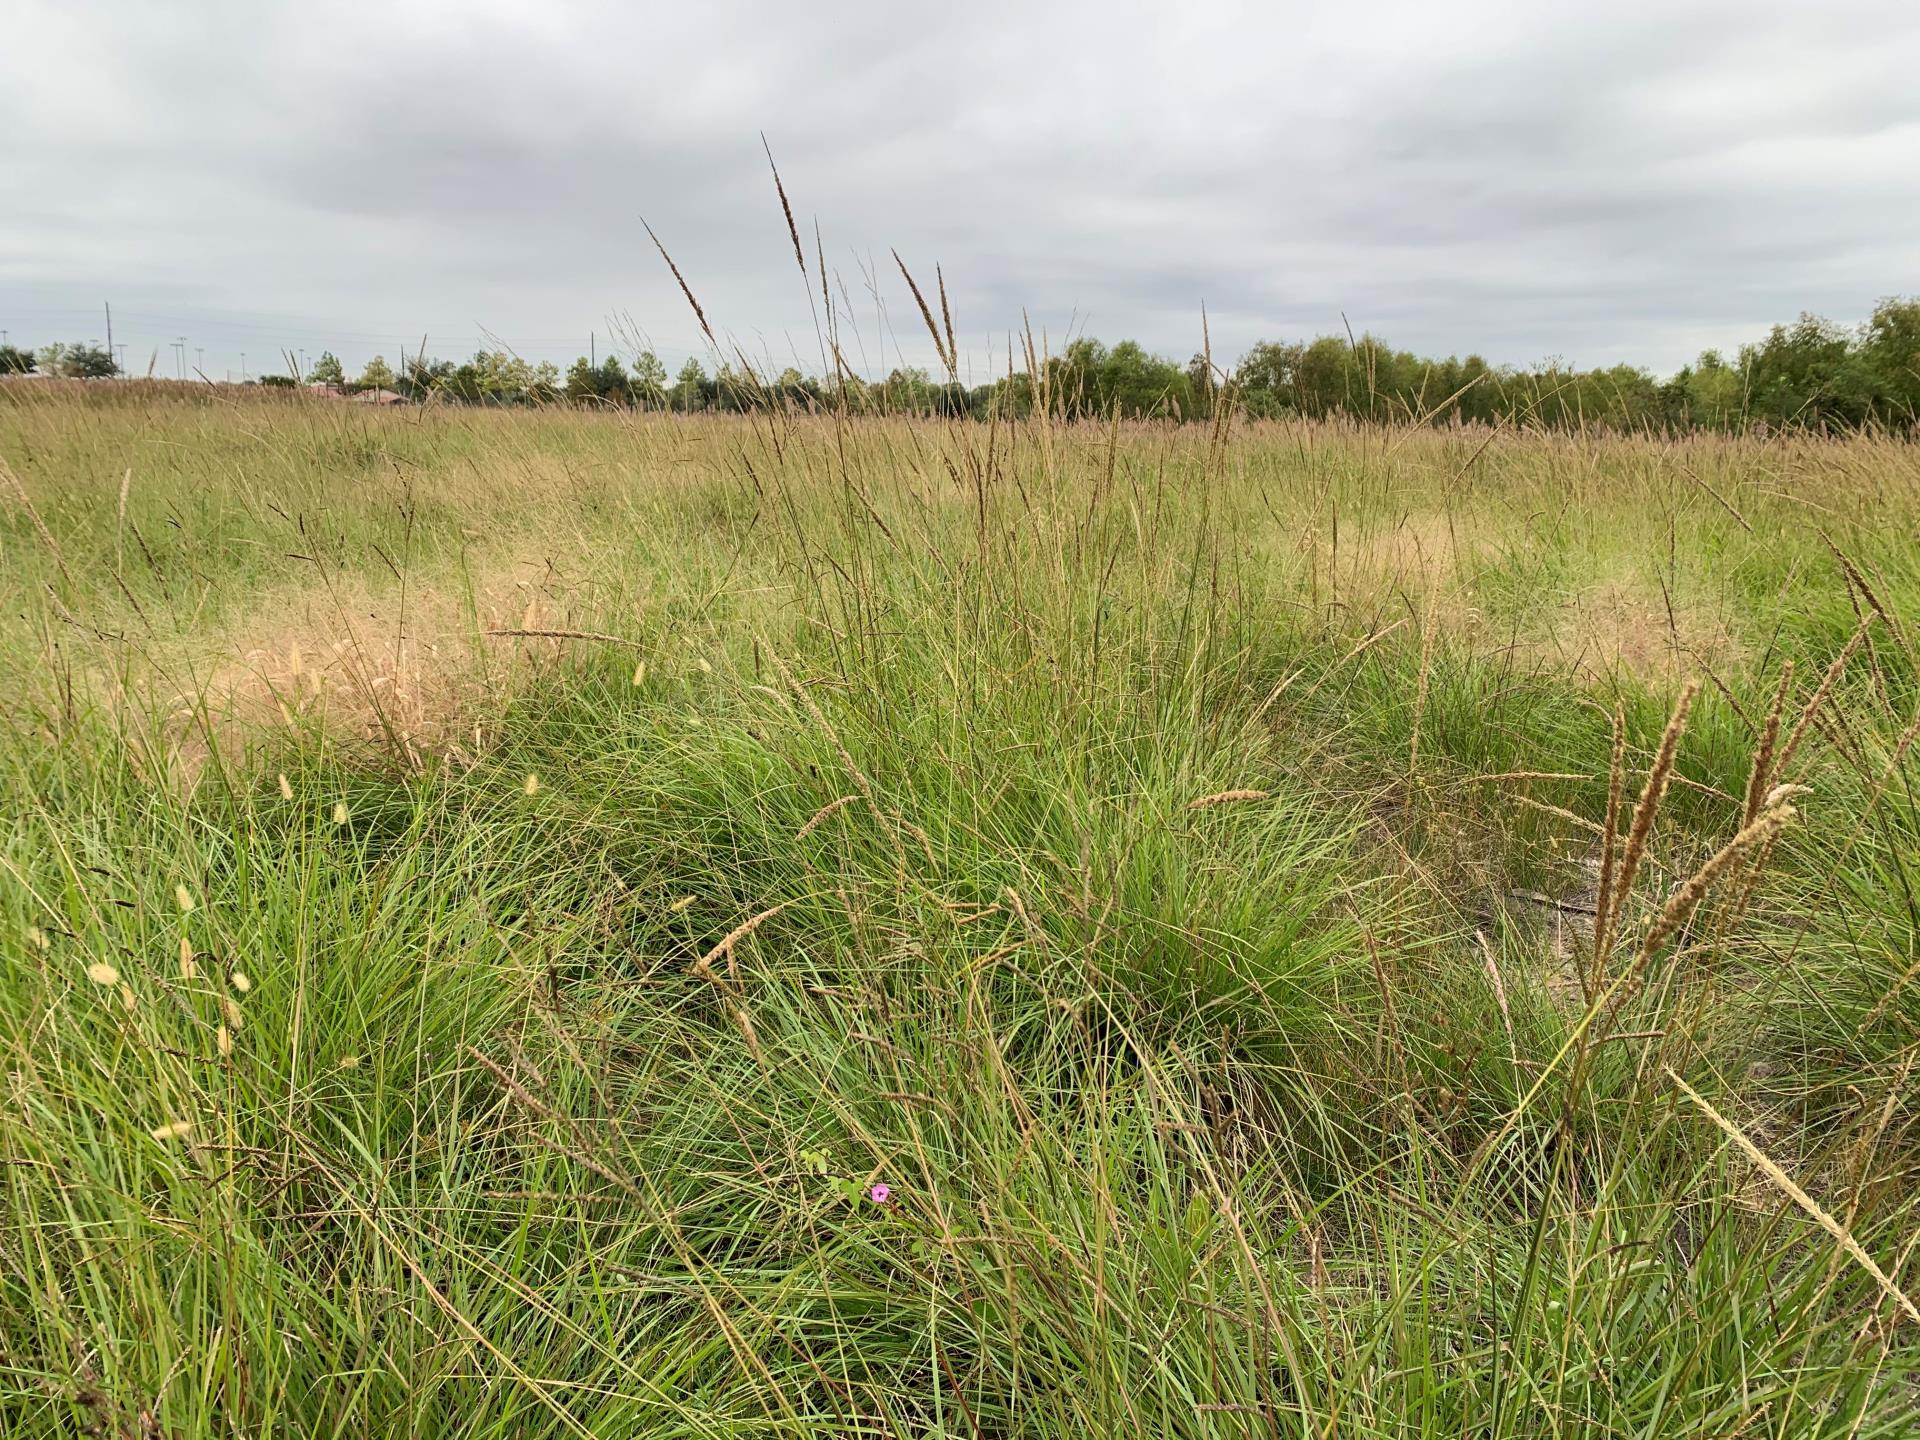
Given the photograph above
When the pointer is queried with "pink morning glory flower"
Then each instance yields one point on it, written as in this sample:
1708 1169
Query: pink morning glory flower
880 1194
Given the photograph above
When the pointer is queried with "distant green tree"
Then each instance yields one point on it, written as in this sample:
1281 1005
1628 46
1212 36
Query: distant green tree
613 384
1890 351
649 379
326 371
1265 378
422 378
91 362
583 381
1130 382
15 361
1201 384
691 388
1071 376
1715 392
77 361
1809 373
545 388
377 376
908 391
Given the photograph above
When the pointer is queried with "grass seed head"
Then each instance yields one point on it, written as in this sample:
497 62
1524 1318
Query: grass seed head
241 982
339 812
101 973
184 897
188 970
286 787
532 787
224 1039
173 1130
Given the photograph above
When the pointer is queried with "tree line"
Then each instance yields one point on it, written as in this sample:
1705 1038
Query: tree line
1813 373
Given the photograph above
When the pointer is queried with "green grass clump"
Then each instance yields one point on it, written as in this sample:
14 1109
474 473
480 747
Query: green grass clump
485 898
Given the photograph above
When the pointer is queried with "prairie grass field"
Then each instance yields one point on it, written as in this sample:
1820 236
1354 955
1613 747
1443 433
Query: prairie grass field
555 923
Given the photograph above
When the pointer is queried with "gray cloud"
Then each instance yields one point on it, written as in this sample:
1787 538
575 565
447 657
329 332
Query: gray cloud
1632 182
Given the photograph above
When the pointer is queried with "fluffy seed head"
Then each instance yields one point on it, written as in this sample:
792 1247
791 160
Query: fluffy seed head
174 1130
286 788
241 982
184 897
533 784
188 970
224 1039
235 1016
339 812
102 973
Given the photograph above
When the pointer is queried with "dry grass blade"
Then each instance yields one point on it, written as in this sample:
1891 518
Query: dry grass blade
1492 967
820 816
1609 840
1225 797
946 316
539 1388
1506 775
1354 654
1675 912
1558 811
1421 682
685 289
1760 776
926 314
39 525
527 634
581 1155
703 967
854 772
1785 1183
1648 807
1820 694
793 231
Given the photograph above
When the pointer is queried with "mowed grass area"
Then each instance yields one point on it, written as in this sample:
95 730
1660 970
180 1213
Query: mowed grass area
416 1029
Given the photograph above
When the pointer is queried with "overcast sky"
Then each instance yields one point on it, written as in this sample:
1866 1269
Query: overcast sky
1619 181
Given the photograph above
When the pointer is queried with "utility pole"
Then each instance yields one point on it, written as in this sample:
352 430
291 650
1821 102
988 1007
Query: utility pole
180 356
593 353
123 358
243 367
199 359
109 305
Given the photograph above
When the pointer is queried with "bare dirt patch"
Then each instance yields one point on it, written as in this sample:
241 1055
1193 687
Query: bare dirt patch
408 669
1619 628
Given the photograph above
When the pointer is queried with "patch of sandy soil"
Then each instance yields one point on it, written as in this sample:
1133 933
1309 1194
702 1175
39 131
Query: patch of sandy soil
1619 627
408 671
